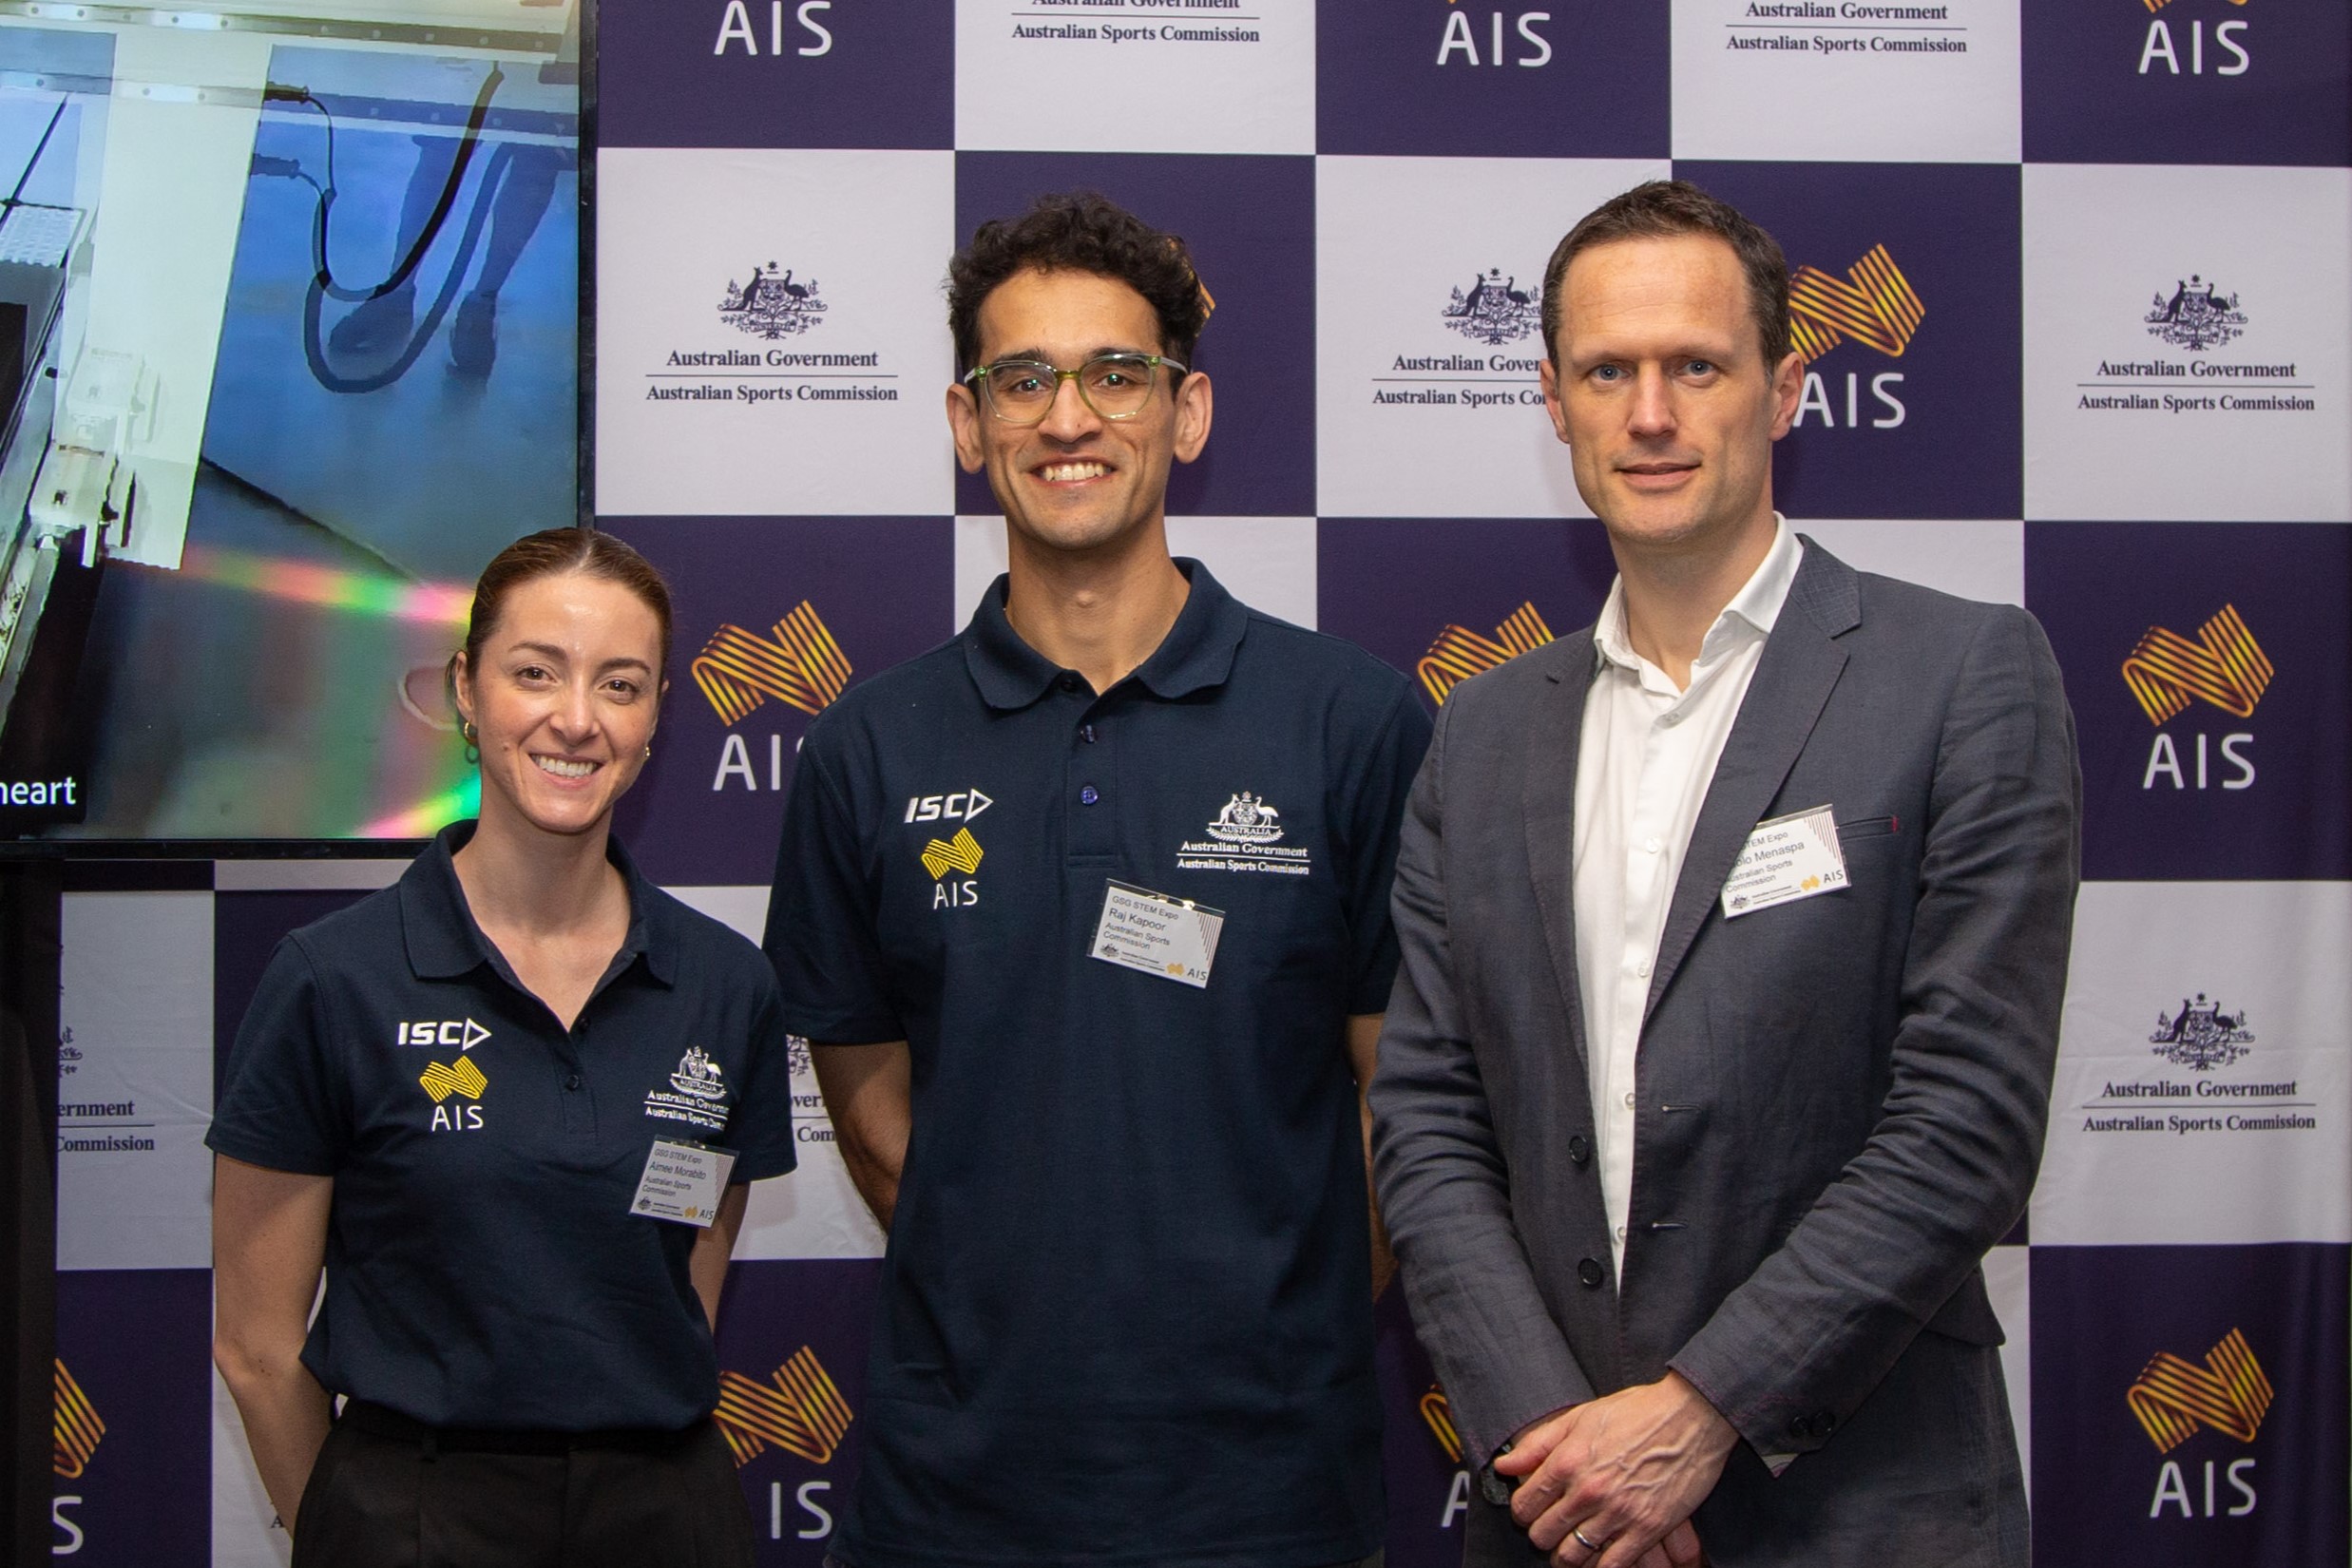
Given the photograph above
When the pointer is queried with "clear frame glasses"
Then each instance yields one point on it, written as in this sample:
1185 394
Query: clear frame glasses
1116 386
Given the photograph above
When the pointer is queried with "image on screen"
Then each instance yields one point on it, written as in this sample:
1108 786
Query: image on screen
293 306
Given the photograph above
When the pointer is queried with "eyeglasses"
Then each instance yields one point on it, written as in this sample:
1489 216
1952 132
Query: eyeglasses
1116 386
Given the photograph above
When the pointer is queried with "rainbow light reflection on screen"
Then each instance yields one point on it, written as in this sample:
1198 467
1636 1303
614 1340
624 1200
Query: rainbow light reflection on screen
363 593
333 586
429 818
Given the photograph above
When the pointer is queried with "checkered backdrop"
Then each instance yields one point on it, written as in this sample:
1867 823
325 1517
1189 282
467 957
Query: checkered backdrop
2075 285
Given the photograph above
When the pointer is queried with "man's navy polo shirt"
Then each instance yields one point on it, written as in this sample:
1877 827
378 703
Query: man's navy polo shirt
1125 1310
484 1268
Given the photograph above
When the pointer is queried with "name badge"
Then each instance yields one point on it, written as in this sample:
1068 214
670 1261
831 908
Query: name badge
1173 938
1786 859
683 1181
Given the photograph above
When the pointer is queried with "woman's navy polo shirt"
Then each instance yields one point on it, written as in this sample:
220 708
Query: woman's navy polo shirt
483 1265
1125 1312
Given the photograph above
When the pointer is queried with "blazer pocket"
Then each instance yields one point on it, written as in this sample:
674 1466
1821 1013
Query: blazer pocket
1865 826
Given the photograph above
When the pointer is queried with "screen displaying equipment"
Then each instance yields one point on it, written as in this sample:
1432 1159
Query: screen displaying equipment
289 312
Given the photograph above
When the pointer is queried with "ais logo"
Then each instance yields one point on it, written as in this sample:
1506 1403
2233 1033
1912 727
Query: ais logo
1459 653
960 854
799 1411
2173 1399
1874 305
2161 53
2224 667
812 37
1437 1413
76 1431
799 663
1459 45
463 1080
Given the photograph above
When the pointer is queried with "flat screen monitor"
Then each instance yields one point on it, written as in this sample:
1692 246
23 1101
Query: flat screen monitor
290 322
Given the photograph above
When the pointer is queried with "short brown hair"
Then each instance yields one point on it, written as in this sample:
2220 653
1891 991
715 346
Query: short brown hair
1661 210
1079 232
550 553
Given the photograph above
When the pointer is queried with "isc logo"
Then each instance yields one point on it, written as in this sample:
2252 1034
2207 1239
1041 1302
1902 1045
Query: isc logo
464 1033
1460 43
961 807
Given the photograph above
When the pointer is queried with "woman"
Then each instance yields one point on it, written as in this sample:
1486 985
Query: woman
472 1097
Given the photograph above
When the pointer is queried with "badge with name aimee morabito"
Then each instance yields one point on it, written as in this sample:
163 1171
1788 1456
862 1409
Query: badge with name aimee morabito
683 1181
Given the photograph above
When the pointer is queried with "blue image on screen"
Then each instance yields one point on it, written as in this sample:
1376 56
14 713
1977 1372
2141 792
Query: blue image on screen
393 400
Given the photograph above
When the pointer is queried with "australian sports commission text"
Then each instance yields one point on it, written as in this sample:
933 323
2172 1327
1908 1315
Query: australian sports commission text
749 392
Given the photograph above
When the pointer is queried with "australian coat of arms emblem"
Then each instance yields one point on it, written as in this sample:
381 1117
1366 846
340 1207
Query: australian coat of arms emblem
1495 310
771 305
2196 316
1247 819
698 1076
2201 1034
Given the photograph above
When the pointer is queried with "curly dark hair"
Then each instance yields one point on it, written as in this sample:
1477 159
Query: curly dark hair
1078 231
1661 210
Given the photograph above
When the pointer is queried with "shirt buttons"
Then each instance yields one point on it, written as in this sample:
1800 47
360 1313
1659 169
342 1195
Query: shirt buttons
1620 1234
1653 845
1642 970
1068 683
1088 795
1086 732
1672 719
572 1082
1628 1100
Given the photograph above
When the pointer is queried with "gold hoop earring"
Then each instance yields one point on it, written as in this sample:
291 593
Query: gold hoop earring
473 736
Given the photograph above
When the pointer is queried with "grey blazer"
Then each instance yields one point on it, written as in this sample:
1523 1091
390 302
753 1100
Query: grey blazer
1842 1099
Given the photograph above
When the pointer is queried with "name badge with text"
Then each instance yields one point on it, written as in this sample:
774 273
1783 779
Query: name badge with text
683 1181
1788 858
1173 938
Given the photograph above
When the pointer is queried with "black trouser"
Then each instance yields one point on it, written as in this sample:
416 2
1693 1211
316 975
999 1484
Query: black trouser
388 1492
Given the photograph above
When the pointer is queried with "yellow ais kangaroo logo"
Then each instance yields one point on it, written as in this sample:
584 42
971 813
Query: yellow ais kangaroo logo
960 854
453 1088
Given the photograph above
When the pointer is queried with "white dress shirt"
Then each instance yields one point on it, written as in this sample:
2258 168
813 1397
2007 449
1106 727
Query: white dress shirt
1643 766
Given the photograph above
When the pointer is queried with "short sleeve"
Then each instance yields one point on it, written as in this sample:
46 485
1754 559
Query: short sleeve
282 1103
761 1128
1373 794
821 937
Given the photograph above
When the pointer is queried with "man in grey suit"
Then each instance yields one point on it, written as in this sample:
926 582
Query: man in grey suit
1734 933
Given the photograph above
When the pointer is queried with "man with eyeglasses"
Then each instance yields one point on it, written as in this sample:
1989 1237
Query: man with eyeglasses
1087 915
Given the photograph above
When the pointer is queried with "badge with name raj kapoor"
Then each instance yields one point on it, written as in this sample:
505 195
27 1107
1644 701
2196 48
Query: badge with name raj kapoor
1173 938
1788 858
683 1181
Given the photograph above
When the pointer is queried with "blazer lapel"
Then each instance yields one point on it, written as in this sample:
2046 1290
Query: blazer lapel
1548 797
1800 666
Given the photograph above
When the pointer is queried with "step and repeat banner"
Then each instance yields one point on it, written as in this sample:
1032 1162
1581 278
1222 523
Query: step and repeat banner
2073 283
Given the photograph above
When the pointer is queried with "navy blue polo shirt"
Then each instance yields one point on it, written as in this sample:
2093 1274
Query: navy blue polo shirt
484 1268
1125 1311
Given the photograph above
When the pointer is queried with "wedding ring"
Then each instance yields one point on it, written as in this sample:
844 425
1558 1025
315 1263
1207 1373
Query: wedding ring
1589 1545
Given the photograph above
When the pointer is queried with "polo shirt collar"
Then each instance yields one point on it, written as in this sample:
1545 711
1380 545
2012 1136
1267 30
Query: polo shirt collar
444 941
1197 652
